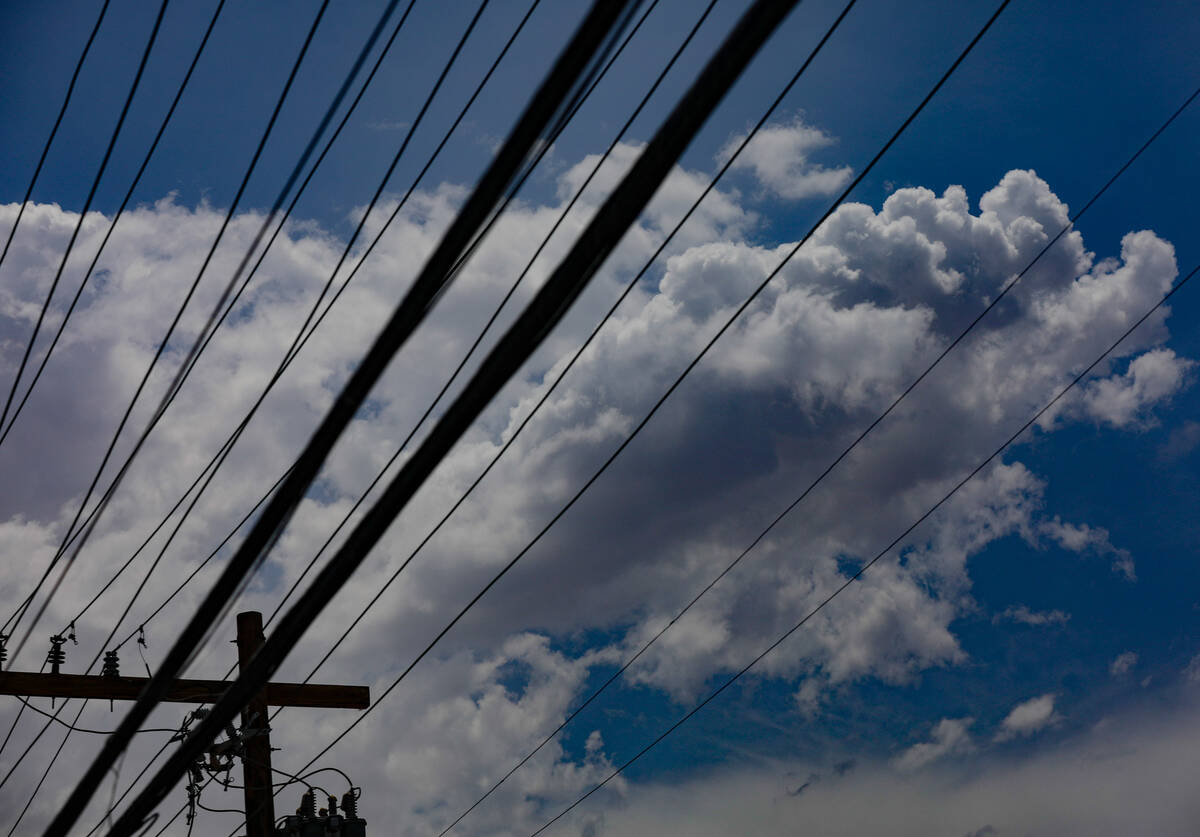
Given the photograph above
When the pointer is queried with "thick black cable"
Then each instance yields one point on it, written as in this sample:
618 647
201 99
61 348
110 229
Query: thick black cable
551 303
199 478
158 353
87 204
881 554
504 570
111 227
298 168
573 63
37 170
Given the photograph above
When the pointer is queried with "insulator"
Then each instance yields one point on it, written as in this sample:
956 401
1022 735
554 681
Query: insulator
350 805
308 806
112 665
57 655
3 649
333 805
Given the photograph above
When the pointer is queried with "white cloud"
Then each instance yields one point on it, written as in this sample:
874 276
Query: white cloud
856 315
1083 538
1123 664
1029 717
1024 616
1103 783
950 736
779 157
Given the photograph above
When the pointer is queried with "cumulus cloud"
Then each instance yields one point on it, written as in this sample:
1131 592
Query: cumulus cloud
853 318
950 736
779 158
1029 717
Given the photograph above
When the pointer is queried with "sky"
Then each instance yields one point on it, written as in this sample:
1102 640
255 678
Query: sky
1026 662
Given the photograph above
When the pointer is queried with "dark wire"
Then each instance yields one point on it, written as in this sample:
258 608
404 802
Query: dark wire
53 132
87 529
422 295
266 496
857 575
228 447
112 226
146 376
113 804
504 570
87 204
75 728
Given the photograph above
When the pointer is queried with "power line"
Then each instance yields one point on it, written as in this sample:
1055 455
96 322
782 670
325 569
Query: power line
53 131
87 204
228 448
137 78
562 80
217 457
548 306
857 575
11 623
309 148
111 227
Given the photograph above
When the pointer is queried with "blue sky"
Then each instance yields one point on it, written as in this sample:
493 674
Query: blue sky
1068 90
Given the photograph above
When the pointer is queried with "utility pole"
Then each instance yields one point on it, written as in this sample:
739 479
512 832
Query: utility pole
256 755
256 765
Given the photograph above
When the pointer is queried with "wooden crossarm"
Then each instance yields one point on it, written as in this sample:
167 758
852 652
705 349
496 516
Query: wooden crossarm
32 684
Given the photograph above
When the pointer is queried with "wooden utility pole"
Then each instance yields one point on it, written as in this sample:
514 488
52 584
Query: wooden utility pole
256 763
256 757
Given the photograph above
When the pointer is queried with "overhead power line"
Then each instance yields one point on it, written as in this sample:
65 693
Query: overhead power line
572 66
87 204
108 234
37 170
295 174
568 280
881 554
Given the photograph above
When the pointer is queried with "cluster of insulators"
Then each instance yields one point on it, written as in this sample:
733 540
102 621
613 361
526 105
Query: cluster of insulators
111 666
309 822
57 656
